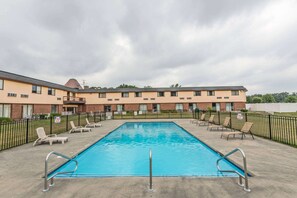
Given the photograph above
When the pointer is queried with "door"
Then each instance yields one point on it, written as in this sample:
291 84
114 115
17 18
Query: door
218 106
107 108
156 107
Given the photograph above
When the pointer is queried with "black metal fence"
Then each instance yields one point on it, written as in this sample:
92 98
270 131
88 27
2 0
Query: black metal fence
23 131
152 114
278 128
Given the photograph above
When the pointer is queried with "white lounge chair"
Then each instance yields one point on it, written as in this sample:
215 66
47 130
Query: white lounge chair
202 119
246 129
43 138
78 128
225 126
92 124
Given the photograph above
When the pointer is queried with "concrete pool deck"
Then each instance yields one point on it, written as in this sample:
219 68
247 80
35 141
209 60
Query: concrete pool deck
274 166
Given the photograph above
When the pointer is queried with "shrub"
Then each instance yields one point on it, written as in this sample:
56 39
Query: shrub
243 110
5 120
55 114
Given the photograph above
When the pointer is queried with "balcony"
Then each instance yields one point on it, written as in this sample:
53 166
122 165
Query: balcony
73 100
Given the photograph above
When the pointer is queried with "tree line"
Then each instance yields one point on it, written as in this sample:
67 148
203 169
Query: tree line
283 97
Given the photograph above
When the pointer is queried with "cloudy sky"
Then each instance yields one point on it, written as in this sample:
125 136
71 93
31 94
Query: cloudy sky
158 43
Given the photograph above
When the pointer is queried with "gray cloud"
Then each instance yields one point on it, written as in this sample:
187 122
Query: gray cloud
158 43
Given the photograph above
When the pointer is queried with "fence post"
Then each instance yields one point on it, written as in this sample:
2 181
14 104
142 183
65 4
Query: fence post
78 119
219 117
269 123
100 117
181 114
198 113
67 122
94 116
230 119
27 131
51 124
246 116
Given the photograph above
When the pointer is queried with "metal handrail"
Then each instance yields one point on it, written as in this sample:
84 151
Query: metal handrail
151 170
46 178
245 176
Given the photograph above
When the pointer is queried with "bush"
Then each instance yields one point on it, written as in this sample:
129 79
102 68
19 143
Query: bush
243 110
5 120
55 114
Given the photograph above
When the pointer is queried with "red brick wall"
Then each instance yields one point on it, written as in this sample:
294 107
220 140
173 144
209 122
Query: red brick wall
204 105
16 111
131 107
94 107
41 108
239 105
167 106
223 106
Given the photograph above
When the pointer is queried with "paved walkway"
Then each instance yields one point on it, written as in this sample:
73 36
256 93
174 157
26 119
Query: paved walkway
274 166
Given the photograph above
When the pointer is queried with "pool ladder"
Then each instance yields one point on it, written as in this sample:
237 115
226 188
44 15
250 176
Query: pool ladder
245 176
51 178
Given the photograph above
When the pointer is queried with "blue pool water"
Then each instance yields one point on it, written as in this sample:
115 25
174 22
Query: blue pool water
125 152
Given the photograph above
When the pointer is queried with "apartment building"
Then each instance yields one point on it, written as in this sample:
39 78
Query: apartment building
22 96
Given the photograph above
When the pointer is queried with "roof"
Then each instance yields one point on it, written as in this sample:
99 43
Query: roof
160 89
73 83
33 81
25 79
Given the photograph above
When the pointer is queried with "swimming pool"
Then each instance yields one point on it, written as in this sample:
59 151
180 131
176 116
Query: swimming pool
125 151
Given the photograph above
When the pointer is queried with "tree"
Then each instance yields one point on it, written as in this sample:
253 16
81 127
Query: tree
268 98
249 99
126 86
291 99
148 86
175 85
257 100
280 97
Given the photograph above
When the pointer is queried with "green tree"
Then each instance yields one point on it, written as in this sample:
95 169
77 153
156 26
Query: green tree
249 99
126 86
148 86
280 97
257 99
268 98
291 99
175 85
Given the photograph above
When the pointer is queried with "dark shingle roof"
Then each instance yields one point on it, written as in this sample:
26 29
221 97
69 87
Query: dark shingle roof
33 81
25 79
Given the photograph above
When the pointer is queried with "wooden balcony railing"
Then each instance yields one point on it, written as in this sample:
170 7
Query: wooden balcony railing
73 100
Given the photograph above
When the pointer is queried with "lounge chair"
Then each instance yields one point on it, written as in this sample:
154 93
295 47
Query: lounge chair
207 122
92 124
246 129
226 125
78 128
43 138
202 119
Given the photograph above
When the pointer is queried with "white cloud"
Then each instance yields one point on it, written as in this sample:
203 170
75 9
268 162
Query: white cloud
158 43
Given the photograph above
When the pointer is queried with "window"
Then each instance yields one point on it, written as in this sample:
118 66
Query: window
54 108
51 91
226 97
143 107
36 89
27 111
5 110
24 96
179 107
173 93
152 98
210 93
138 94
235 93
197 93
102 95
161 94
219 97
125 95
120 108
12 95
1 84
182 98
229 106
